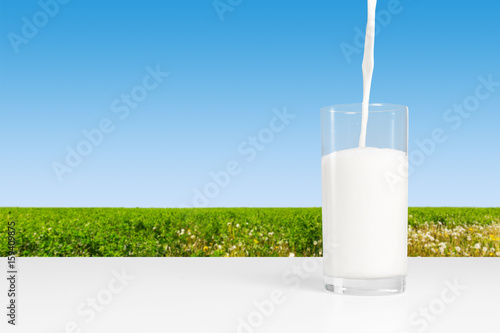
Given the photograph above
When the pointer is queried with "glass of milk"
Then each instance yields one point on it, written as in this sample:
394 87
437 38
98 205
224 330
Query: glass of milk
365 199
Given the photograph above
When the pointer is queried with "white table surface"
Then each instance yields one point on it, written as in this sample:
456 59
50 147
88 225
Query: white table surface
211 294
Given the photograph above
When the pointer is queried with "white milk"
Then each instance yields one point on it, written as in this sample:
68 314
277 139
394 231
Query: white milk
365 211
367 68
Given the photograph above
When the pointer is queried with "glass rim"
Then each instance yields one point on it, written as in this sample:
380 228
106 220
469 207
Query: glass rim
390 108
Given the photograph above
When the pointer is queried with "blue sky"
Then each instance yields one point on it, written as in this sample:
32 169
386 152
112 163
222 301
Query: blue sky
73 70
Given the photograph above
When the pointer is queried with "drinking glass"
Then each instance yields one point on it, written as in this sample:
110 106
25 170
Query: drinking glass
365 199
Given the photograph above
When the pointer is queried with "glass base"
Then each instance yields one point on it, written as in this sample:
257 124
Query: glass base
366 287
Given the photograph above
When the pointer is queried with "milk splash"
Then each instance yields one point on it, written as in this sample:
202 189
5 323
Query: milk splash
367 68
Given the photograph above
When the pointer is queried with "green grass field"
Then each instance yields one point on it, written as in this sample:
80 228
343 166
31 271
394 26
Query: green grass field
253 232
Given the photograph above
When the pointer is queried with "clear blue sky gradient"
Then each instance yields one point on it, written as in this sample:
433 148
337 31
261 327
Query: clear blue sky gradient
225 79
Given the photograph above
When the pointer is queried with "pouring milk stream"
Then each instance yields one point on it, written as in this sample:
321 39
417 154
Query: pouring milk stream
367 68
